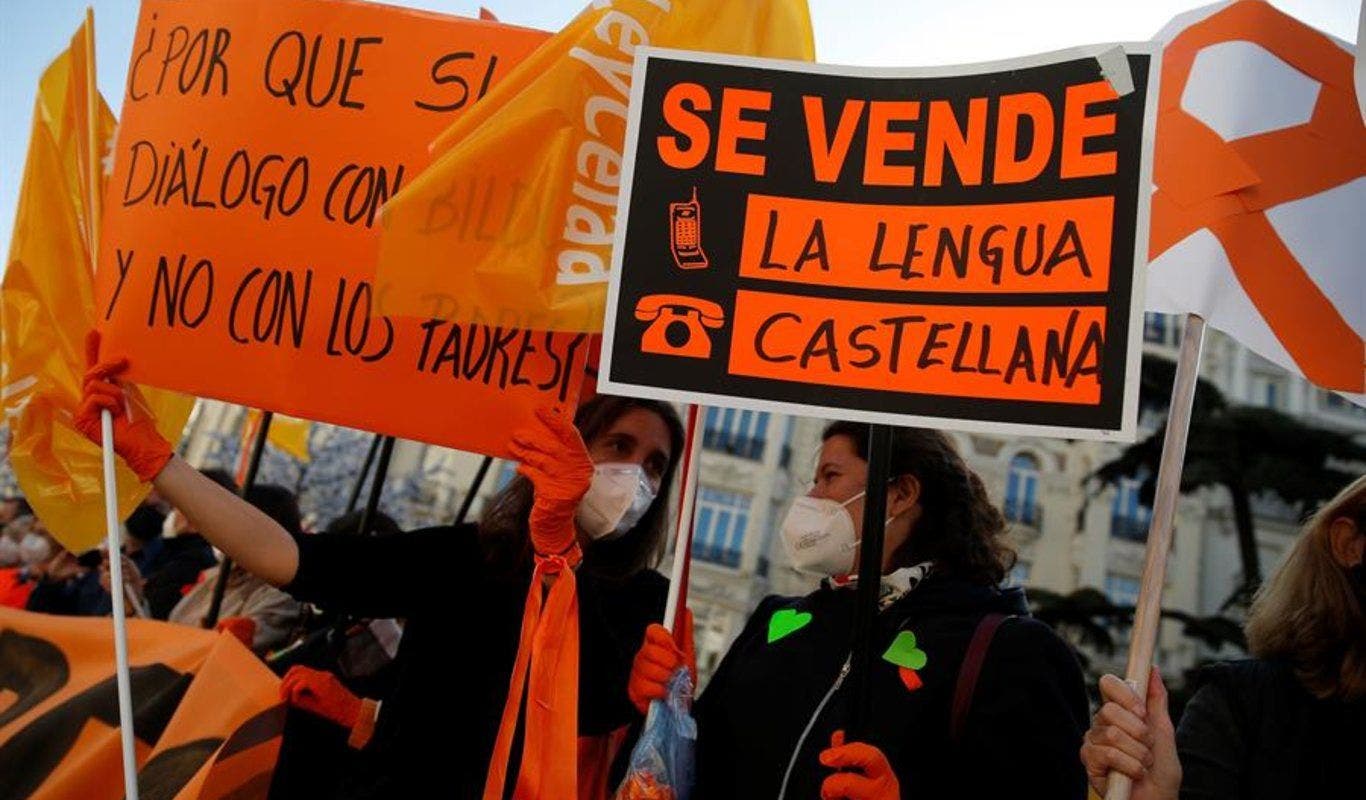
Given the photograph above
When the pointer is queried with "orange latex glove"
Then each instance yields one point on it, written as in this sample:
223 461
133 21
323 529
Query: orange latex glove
556 462
136 439
244 628
657 660
320 693
870 776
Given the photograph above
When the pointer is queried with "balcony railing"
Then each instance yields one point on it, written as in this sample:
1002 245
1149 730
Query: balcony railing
750 447
726 557
1129 528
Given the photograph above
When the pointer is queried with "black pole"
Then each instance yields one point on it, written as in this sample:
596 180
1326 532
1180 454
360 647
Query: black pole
364 473
869 578
474 489
258 447
367 517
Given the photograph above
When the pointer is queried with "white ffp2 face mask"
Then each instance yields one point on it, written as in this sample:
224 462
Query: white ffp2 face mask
819 535
617 499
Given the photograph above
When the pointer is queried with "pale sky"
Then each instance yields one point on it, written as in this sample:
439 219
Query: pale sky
867 32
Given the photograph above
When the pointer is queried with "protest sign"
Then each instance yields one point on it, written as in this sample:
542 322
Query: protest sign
950 247
258 142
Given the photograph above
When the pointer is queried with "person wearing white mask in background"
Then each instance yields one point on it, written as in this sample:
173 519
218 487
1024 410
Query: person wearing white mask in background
970 697
597 485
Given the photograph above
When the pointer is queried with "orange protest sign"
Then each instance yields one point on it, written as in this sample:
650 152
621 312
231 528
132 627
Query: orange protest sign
258 143
206 712
951 247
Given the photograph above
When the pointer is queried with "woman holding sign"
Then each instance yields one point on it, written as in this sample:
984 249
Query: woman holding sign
597 486
971 698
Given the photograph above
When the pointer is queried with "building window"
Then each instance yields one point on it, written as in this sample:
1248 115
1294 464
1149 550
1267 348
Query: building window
1122 590
740 433
1022 489
1155 328
722 518
1128 517
506 473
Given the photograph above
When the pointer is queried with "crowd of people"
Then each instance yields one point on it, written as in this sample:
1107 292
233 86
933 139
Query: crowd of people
397 648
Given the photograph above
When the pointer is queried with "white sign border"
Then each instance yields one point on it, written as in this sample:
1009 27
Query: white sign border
1134 351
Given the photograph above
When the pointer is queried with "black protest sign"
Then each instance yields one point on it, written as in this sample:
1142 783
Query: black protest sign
952 246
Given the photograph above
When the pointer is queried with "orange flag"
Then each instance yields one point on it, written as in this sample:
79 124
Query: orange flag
46 307
207 712
512 223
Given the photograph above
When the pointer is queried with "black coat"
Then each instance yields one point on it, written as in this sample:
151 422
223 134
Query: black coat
1252 732
436 732
1021 735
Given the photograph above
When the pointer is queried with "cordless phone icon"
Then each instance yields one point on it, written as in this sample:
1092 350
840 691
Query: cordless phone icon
685 233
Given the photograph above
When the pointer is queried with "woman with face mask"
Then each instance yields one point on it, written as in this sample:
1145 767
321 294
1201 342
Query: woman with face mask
591 491
970 697
1288 723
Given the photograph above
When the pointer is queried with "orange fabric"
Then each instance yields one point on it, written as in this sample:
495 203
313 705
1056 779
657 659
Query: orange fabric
549 650
320 693
136 438
865 772
658 658
556 462
13 592
514 218
1205 182
58 736
242 628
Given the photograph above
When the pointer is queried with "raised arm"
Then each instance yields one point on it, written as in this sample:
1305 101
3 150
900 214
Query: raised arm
233 525
245 533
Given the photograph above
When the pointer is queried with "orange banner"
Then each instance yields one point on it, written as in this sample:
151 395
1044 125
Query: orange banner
1040 246
206 711
1046 353
258 143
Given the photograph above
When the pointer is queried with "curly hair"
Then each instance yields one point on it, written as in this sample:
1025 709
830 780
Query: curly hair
959 528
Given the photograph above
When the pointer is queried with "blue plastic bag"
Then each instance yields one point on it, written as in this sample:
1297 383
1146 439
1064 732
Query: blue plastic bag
661 765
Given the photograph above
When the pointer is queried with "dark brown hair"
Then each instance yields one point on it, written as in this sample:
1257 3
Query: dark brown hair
503 532
960 529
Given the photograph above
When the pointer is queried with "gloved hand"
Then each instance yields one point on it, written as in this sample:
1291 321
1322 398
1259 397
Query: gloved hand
657 660
870 778
556 462
136 439
244 628
320 693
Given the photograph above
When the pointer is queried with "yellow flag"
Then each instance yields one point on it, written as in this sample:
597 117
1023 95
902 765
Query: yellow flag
287 434
512 223
47 304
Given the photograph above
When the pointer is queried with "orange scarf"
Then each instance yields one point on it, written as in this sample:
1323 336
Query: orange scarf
549 650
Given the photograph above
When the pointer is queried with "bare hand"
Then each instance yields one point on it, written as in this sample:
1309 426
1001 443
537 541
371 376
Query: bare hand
1134 738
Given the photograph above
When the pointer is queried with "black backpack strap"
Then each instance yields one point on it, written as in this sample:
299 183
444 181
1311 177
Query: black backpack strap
969 671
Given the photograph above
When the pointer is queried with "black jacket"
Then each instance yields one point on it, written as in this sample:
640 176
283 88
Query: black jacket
1252 732
1022 733
435 734
174 566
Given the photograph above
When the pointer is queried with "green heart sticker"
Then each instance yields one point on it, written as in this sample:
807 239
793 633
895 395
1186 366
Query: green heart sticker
903 652
785 622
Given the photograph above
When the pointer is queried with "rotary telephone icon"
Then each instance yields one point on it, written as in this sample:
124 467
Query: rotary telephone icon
678 324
